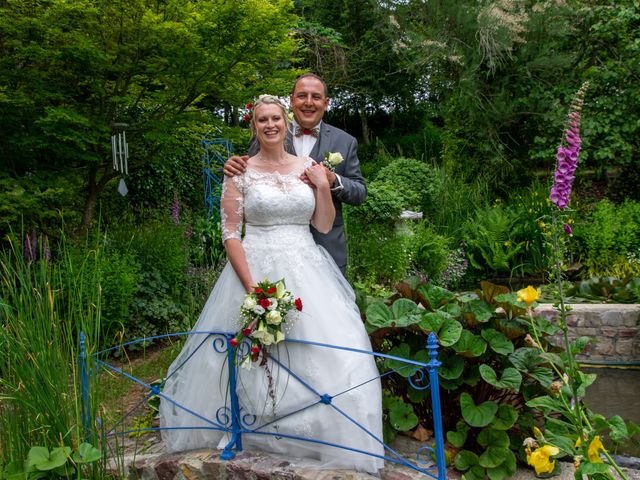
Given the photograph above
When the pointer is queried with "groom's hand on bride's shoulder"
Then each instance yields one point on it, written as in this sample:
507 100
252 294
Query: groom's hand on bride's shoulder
235 165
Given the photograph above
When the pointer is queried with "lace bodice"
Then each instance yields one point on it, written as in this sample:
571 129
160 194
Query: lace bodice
263 199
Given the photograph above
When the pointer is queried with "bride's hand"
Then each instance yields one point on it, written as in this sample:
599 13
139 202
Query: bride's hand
317 176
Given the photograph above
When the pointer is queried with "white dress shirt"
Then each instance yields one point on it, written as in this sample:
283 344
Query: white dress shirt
304 143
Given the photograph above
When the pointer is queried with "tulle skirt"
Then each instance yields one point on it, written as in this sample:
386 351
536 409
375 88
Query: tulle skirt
307 391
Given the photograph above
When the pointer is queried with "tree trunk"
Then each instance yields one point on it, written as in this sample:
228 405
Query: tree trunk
366 134
94 189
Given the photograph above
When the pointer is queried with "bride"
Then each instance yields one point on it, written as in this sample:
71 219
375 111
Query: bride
289 397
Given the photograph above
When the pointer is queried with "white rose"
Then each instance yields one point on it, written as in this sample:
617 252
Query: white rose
249 303
334 159
258 310
274 317
263 336
273 305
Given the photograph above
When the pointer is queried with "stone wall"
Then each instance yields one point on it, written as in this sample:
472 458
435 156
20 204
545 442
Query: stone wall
615 327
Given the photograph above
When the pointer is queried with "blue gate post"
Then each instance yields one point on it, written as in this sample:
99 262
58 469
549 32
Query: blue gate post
236 436
434 363
84 383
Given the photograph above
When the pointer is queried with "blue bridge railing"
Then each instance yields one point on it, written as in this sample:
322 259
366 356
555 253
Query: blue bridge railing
231 420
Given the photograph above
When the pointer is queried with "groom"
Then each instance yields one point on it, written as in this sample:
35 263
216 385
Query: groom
313 138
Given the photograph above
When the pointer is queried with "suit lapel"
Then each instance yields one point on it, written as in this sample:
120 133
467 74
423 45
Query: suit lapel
322 145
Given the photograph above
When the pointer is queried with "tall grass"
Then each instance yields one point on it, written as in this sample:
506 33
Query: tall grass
44 305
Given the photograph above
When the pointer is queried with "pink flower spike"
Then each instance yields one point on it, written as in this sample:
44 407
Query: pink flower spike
567 229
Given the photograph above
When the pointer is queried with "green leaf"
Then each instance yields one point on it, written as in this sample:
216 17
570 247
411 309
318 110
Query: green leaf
450 332
432 321
498 342
14 471
402 368
553 359
379 315
492 457
481 310
475 473
506 417
435 296
402 313
511 377
587 468
543 375
402 417
451 368
618 428
505 470
42 459
458 437
470 345
87 453
546 404
490 437
465 459
477 415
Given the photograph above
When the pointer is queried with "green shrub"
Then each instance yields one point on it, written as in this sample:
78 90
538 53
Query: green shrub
412 179
430 251
610 238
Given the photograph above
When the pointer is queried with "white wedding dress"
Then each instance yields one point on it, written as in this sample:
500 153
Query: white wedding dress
275 209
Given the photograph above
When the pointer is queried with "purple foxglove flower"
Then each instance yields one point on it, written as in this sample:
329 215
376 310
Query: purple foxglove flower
567 229
175 210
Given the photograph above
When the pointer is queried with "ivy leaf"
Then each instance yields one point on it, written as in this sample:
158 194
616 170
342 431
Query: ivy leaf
477 415
511 378
506 417
402 416
498 342
465 459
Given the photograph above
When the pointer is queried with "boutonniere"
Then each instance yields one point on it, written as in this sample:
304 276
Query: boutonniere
332 160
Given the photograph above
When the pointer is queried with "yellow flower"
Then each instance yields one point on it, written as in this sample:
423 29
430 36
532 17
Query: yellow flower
594 447
528 295
540 460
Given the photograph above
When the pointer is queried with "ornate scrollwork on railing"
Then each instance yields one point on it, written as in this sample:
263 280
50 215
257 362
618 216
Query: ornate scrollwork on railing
223 416
247 419
220 343
420 377
429 452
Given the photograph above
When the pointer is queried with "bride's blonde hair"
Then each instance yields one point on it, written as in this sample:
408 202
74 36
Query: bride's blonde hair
266 99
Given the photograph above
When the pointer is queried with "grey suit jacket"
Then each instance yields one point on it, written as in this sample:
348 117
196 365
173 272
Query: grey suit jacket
332 140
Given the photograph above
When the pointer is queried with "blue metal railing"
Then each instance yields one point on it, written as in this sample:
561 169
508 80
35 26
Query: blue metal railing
216 152
232 420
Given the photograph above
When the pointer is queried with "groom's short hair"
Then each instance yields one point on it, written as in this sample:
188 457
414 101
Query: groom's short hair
311 75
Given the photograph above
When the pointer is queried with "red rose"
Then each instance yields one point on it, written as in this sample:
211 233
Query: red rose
264 302
249 106
246 332
258 290
246 118
271 290
298 303
233 342
255 349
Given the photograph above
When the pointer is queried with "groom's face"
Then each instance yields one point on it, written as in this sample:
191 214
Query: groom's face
309 102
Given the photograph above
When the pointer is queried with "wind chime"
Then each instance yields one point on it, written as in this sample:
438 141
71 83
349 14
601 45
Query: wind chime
120 154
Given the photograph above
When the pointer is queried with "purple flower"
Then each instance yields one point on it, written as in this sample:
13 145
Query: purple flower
567 229
175 210
30 243
567 154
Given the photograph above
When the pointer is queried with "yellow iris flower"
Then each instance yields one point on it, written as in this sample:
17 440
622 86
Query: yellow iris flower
540 459
594 447
528 295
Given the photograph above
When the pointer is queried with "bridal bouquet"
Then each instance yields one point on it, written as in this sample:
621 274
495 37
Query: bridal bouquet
265 313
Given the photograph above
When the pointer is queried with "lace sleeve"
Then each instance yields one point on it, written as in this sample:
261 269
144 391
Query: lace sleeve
232 208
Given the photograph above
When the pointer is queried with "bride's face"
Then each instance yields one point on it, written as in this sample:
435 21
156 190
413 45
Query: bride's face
270 124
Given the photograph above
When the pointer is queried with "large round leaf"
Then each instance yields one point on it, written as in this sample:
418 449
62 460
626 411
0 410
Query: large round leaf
451 368
402 417
403 368
490 437
493 456
477 415
458 437
478 311
450 332
435 296
498 342
511 378
476 472
506 416
432 321
42 459
402 313
465 460
470 345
